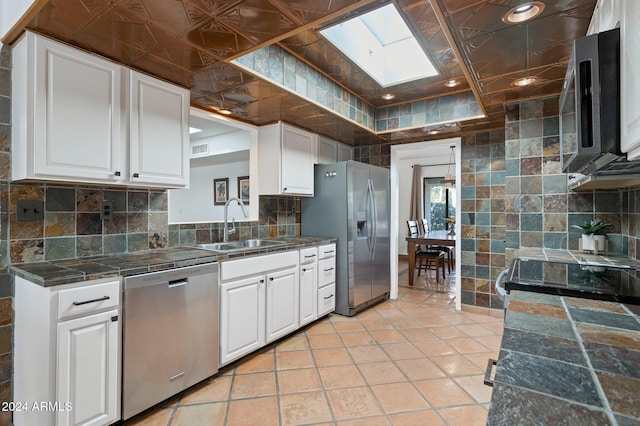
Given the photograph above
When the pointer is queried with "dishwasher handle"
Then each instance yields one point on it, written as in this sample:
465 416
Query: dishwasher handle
178 283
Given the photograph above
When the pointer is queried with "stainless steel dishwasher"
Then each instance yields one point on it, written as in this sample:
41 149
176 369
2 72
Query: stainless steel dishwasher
170 338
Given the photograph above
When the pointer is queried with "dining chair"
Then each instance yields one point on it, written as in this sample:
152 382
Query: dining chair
446 249
427 259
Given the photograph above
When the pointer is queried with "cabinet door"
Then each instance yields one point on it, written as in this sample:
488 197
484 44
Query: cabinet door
308 293
282 303
159 136
242 327
327 150
345 152
298 148
87 375
630 79
77 114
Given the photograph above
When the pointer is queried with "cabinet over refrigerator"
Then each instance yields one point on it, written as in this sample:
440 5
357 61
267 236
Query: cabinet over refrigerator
351 204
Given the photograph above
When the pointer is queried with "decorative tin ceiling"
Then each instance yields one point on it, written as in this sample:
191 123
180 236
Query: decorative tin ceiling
193 43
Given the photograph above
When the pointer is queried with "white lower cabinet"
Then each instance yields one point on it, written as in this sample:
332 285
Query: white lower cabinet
87 347
266 297
308 285
242 317
326 279
282 303
253 312
68 336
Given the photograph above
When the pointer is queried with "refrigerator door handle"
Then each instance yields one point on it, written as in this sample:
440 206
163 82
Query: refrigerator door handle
374 220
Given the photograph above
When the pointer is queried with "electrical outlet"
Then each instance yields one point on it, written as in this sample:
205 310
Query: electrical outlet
106 209
28 210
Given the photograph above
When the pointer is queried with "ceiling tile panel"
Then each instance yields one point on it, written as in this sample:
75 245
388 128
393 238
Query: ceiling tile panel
64 18
214 7
218 40
166 70
184 55
258 20
306 11
174 16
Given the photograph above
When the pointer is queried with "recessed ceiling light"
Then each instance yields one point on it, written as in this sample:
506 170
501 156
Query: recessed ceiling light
452 83
433 132
523 13
193 130
524 81
224 111
388 96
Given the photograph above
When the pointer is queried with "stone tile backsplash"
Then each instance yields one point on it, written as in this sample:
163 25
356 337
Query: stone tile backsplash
72 226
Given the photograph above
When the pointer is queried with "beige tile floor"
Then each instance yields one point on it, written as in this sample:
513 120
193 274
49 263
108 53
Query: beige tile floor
410 361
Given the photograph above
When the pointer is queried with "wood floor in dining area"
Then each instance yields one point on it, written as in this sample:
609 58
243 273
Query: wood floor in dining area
410 361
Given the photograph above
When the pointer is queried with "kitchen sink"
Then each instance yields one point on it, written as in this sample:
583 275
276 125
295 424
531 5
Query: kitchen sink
220 246
258 243
239 245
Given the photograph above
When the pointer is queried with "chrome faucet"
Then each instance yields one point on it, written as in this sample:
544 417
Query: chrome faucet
225 237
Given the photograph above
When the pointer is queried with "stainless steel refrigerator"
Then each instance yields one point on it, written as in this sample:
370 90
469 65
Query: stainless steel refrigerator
351 203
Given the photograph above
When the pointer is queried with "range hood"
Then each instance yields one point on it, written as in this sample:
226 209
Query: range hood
615 175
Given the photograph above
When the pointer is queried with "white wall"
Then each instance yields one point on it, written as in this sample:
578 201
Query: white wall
226 143
195 204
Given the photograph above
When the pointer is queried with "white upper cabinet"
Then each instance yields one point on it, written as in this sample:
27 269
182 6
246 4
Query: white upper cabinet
327 150
330 151
67 108
345 152
78 117
159 118
286 156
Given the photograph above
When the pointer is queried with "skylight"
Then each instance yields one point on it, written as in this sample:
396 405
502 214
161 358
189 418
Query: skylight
382 45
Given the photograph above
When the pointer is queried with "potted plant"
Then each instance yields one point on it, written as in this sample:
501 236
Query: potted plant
593 234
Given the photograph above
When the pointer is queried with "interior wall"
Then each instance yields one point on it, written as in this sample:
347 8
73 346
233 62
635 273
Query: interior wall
196 203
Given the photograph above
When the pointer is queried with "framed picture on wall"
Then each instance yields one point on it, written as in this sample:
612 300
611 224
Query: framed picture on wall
243 189
220 191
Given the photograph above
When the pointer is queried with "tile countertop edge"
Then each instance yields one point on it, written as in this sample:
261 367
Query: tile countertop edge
518 392
54 273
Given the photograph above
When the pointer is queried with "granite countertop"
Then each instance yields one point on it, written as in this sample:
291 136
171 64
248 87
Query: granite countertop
57 272
566 360
573 256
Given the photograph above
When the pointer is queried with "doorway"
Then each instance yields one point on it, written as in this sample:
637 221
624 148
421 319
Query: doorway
402 158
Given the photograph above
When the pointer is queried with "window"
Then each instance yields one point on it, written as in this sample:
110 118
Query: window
382 45
439 202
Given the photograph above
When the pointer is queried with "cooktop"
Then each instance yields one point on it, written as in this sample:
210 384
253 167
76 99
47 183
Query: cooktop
615 283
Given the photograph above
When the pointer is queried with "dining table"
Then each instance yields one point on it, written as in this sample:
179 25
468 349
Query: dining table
431 238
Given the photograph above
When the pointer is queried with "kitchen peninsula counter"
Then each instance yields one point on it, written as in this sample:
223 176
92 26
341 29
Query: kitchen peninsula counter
566 360
58 272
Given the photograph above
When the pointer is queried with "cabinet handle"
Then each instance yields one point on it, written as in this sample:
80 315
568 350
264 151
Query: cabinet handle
116 174
329 251
304 269
328 297
177 376
135 175
261 281
487 372
99 299
328 269
270 278
309 255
